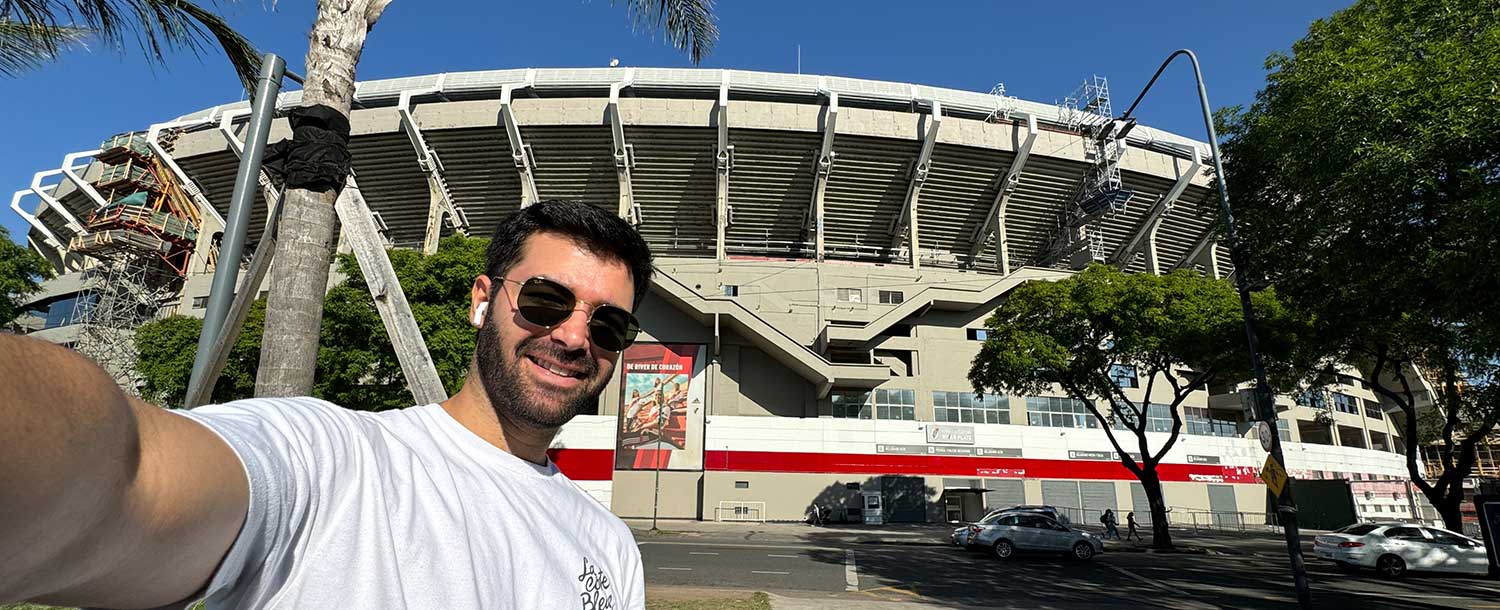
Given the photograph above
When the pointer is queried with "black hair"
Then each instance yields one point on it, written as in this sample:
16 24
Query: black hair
600 233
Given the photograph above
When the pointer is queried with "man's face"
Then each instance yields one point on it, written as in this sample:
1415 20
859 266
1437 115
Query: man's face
537 376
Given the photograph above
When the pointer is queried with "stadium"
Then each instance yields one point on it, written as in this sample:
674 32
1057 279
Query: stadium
828 249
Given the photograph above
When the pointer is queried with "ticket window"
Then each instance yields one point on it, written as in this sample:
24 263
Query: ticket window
874 509
953 505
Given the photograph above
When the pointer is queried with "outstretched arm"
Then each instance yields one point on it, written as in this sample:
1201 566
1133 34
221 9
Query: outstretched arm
105 500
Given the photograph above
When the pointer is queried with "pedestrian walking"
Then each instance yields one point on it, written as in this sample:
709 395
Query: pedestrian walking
1111 524
1130 524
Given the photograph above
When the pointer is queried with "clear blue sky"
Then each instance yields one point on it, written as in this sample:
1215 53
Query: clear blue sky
1040 50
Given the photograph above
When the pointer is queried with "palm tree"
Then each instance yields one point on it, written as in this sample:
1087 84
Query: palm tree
306 236
33 32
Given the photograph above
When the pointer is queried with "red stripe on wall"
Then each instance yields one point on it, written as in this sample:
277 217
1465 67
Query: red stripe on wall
961 466
599 464
585 464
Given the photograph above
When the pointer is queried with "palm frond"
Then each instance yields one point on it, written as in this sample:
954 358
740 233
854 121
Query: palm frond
26 46
240 52
689 25
157 26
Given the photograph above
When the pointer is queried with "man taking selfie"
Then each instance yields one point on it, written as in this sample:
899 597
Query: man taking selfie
106 501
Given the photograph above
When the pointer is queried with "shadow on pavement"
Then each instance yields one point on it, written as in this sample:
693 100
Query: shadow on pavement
949 575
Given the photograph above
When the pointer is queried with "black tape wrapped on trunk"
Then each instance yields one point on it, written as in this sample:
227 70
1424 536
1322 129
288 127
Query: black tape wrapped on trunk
317 157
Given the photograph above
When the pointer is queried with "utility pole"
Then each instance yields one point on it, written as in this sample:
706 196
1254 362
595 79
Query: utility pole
1265 408
661 424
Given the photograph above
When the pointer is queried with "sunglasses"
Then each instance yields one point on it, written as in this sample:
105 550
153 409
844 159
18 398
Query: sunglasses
546 303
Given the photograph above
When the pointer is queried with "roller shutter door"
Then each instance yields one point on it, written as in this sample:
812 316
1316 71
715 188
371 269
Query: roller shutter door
1097 496
1225 509
1004 493
1140 504
1064 496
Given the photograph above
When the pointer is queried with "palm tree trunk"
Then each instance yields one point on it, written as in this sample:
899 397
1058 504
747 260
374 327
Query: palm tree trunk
304 250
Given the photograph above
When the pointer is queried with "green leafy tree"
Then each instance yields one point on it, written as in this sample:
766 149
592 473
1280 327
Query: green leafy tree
357 367
21 274
1182 332
1366 177
166 348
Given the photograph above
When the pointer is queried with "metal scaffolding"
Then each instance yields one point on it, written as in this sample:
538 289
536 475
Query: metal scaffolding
119 295
140 241
1078 238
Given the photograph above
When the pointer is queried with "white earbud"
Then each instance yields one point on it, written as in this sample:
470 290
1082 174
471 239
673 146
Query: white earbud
479 313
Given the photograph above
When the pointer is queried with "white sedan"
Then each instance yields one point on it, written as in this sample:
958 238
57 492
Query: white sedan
1393 548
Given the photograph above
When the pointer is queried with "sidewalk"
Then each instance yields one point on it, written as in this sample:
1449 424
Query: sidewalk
894 533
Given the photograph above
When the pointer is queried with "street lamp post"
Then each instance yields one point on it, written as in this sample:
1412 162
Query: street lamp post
661 425
1238 254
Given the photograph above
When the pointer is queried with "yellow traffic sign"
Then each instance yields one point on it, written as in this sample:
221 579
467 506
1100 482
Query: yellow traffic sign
1274 475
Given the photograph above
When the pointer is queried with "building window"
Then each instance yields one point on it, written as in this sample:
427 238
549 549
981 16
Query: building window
1123 375
200 302
1203 422
1373 410
964 407
60 312
852 486
851 295
896 404
1312 399
851 404
978 334
1284 430
892 297
1158 418
742 485
1345 403
880 404
731 290
1058 413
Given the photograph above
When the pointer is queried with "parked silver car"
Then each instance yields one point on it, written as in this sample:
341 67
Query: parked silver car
1023 530
961 534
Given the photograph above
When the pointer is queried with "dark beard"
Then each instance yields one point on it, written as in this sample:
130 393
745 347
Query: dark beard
509 394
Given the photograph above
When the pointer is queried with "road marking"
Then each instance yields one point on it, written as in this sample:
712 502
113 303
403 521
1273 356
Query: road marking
1146 581
851 573
768 572
906 589
681 569
701 553
775 555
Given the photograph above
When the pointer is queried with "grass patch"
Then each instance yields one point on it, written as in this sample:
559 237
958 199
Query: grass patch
757 601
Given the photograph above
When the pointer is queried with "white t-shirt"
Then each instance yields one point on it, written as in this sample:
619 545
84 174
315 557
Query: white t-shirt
408 509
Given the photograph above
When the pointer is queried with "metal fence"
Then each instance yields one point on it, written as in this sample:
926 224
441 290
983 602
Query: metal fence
1178 518
754 512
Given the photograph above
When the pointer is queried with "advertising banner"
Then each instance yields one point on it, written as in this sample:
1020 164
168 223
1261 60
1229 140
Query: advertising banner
660 423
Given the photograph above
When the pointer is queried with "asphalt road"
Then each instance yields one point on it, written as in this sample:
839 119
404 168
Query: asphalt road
917 572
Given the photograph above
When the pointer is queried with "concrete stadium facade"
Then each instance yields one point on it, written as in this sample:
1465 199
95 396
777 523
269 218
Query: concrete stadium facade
828 250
